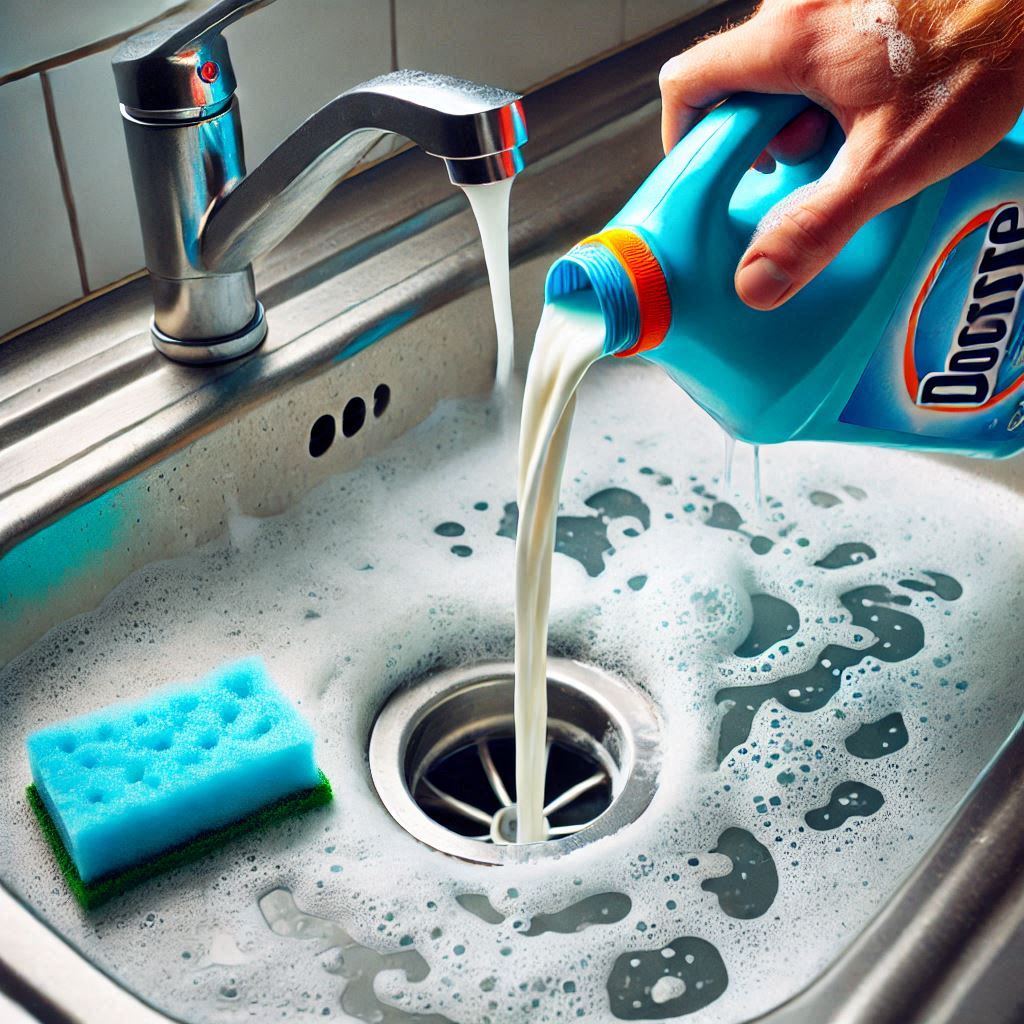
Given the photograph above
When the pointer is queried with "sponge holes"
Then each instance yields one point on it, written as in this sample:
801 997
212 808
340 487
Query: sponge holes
185 705
159 741
208 740
325 428
239 686
260 728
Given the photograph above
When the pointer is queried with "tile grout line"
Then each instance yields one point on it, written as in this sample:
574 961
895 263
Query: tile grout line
98 46
394 33
65 180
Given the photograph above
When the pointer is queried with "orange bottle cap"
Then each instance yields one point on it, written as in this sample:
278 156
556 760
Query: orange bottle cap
648 280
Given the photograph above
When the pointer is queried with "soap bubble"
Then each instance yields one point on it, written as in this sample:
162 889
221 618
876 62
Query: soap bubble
390 602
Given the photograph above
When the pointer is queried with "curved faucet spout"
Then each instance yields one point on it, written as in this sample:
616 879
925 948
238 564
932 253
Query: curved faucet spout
204 220
476 129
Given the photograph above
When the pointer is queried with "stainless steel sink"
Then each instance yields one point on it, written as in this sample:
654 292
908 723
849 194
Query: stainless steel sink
113 459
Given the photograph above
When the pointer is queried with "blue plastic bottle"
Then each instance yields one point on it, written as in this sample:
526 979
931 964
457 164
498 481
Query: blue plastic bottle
913 337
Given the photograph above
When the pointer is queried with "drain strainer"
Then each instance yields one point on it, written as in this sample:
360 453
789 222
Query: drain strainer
442 756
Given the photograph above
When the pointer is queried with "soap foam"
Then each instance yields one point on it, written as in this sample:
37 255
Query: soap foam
352 592
880 18
786 205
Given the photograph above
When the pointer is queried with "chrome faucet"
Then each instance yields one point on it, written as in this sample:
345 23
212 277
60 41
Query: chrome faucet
204 220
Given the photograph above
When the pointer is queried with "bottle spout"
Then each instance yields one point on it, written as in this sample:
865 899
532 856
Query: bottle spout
620 268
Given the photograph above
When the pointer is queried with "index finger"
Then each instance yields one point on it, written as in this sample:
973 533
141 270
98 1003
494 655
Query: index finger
741 59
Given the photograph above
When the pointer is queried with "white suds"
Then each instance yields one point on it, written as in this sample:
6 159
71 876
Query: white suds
774 217
880 17
353 591
936 94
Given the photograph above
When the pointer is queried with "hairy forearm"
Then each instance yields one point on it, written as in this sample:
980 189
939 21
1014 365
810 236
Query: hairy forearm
949 33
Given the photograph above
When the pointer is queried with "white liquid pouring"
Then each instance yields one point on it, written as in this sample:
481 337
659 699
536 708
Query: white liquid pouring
730 453
569 339
490 204
758 493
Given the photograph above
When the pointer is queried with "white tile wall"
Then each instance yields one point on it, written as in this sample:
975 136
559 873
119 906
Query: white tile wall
85 101
290 58
40 271
294 56
644 16
35 31
512 44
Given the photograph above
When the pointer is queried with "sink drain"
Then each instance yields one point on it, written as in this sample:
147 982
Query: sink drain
442 757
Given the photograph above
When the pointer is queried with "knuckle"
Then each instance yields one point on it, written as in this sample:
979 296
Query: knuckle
670 71
704 56
810 234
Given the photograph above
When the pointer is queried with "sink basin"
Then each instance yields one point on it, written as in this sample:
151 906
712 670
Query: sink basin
809 710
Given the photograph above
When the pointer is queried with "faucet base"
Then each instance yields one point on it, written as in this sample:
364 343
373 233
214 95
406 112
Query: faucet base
212 350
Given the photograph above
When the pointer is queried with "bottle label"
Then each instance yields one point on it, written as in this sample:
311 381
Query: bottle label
951 362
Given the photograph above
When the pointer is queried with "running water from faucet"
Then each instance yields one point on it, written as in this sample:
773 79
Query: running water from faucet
490 207
569 339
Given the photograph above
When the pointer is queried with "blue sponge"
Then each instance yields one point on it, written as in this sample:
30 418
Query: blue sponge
131 781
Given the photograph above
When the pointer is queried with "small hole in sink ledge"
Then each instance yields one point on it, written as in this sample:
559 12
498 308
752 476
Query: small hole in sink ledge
381 400
321 435
354 416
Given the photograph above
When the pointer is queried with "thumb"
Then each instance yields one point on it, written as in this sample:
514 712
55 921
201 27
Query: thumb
804 232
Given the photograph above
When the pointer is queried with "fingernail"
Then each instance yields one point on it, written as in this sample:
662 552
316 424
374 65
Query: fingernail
761 283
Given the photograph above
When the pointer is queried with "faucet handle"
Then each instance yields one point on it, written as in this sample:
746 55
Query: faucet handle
180 69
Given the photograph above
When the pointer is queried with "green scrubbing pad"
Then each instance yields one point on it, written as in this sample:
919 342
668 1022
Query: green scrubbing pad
92 894
134 788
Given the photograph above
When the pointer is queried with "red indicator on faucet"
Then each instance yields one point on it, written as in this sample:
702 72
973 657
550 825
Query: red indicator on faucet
208 71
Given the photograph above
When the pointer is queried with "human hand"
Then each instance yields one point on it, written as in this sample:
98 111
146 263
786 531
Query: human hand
921 88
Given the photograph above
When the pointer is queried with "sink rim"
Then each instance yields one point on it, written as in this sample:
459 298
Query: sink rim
883 967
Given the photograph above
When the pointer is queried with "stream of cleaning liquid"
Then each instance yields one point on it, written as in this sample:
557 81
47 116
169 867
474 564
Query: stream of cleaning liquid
758 493
490 204
569 339
729 455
